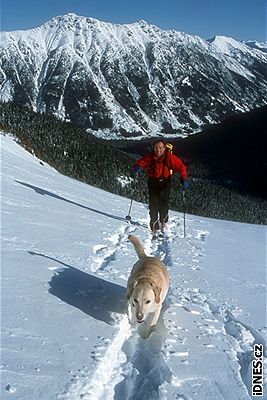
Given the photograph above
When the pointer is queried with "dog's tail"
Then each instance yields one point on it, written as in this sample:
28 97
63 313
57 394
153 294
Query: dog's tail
138 246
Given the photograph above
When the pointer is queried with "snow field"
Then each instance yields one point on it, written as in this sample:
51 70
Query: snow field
66 260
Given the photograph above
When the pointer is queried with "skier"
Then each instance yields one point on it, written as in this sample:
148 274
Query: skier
160 165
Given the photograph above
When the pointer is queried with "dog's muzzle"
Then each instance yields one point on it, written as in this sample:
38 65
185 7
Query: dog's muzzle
140 318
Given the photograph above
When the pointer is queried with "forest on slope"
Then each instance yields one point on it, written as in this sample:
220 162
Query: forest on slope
77 154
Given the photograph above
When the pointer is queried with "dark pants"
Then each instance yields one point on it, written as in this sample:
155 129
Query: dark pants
159 193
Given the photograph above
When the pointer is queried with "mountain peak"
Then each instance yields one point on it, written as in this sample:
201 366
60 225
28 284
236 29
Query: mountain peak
129 80
227 44
70 20
142 22
218 39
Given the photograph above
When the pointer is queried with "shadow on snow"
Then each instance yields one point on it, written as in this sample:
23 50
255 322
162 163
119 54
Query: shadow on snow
44 192
90 294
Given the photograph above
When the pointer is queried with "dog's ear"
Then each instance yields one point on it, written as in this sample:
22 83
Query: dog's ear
157 291
130 289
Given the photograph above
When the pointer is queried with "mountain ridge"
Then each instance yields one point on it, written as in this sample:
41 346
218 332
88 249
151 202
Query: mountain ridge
130 80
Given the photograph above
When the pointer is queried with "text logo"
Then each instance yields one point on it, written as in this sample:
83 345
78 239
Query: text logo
257 371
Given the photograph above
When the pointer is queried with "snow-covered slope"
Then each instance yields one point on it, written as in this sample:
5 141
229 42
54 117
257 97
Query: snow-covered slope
65 263
257 45
130 80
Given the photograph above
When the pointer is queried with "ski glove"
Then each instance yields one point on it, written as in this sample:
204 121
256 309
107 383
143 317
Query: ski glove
185 184
136 169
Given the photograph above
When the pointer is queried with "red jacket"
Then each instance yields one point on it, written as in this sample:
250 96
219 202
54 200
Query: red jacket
162 167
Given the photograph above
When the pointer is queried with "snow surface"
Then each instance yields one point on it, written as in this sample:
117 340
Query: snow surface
66 259
257 45
81 49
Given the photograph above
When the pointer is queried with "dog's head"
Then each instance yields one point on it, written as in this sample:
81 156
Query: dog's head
142 295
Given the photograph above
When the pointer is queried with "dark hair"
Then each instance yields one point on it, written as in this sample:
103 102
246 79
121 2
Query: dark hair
159 140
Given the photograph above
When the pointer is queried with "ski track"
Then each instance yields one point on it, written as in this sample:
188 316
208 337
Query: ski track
132 368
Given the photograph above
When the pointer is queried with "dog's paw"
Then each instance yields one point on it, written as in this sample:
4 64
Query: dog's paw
149 331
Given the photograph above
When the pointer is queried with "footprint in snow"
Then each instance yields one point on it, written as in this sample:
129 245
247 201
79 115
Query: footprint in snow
10 389
99 248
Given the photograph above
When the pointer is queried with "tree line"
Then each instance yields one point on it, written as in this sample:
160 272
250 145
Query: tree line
80 155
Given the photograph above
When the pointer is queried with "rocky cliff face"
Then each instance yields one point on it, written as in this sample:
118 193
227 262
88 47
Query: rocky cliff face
130 80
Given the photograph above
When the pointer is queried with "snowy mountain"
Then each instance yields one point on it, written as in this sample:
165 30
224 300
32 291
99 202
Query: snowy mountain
65 264
257 45
130 80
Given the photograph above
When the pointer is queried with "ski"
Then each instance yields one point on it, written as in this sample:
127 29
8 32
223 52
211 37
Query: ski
136 223
158 235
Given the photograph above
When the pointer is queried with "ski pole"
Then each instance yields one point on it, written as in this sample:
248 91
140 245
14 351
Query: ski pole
128 217
183 193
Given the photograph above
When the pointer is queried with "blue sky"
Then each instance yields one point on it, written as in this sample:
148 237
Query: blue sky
241 19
